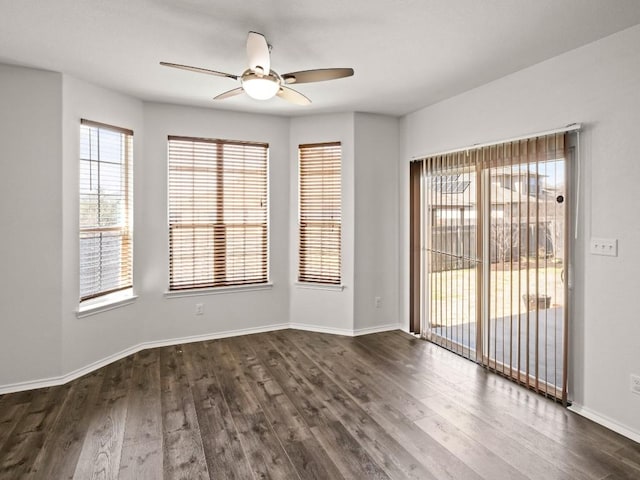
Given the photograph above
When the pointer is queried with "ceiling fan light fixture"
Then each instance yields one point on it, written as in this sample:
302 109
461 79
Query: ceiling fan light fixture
260 87
260 82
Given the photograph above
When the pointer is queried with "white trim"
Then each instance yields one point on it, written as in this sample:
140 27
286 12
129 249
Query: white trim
320 286
196 292
377 329
345 331
62 379
107 303
213 336
605 422
321 329
569 128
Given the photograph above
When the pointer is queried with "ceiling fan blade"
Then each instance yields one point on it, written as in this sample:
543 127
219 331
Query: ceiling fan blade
199 70
258 53
290 95
230 93
318 75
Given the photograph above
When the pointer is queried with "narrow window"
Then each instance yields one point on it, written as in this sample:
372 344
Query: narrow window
218 232
320 213
106 253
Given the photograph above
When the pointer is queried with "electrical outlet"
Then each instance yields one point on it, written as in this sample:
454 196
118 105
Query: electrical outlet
199 308
635 384
377 302
604 246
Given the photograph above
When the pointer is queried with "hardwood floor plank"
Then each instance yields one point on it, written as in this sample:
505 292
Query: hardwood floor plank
630 454
557 435
364 378
343 366
29 435
297 405
142 456
500 417
224 453
292 431
102 448
264 452
61 450
10 416
182 442
558 420
340 446
389 454
471 451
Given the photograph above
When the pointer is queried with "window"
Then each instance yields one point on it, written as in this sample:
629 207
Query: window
105 209
217 213
320 213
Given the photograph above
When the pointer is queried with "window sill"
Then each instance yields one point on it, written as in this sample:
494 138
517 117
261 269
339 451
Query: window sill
320 286
108 302
196 292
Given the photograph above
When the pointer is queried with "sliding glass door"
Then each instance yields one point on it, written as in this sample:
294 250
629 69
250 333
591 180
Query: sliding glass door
452 261
493 258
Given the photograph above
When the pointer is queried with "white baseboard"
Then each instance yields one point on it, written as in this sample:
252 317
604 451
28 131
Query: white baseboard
377 329
345 331
321 329
62 379
213 336
605 422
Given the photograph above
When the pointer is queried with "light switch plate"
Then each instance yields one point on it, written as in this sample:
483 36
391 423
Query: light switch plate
604 246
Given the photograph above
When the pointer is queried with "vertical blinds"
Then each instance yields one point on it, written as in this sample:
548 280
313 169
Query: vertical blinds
415 238
320 201
105 209
217 213
495 252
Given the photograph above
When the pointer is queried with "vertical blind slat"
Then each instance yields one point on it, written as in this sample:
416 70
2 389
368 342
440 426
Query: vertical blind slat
495 252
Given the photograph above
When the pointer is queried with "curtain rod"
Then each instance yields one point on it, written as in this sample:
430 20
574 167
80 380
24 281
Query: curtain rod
569 128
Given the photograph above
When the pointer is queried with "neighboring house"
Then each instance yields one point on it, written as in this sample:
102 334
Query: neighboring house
526 220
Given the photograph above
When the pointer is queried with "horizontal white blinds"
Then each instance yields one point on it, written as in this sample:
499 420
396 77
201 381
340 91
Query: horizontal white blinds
105 209
320 213
217 213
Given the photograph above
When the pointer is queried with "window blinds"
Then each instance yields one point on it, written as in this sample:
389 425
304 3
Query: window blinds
320 209
494 252
106 256
217 213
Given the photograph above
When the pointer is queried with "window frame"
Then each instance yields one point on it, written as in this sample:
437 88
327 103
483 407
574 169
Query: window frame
324 278
123 293
219 280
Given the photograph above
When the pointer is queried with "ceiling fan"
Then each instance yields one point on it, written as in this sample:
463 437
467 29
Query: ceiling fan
260 82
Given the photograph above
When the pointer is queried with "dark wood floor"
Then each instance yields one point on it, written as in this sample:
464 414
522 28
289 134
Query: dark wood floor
294 404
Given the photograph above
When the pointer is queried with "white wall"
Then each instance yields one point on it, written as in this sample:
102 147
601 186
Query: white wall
88 339
376 220
31 219
166 318
331 310
597 85
41 336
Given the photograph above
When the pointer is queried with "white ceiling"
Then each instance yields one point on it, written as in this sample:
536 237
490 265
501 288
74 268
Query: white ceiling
406 53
